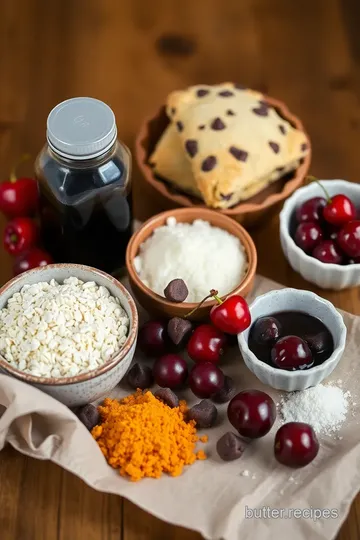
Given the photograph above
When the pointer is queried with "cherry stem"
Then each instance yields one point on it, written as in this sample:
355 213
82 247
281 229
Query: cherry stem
13 238
213 294
13 177
313 179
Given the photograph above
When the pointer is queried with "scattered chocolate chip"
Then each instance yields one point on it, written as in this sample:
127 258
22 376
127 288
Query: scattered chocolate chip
227 392
168 397
204 414
237 153
280 169
140 377
202 92
282 129
239 86
208 164
225 93
178 329
304 147
173 110
226 197
261 111
230 447
230 112
274 147
179 125
191 146
176 291
201 127
301 161
217 124
89 416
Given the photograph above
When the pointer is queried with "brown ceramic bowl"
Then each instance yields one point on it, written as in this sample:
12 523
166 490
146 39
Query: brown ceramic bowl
158 305
248 213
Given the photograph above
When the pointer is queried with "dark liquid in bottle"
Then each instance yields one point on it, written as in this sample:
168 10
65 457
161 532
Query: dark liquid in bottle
86 214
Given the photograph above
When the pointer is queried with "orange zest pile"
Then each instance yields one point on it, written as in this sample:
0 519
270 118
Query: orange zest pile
143 437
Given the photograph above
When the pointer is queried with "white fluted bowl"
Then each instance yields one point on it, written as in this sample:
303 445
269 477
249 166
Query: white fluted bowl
326 276
294 300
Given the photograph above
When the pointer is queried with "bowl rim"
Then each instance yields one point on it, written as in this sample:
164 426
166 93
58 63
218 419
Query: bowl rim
87 375
199 213
243 207
335 355
285 214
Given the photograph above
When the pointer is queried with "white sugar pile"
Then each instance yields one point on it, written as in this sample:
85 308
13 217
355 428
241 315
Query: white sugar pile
205 257
324 407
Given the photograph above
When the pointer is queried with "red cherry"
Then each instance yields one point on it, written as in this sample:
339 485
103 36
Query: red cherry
291 353
232 316
349 239
328 252
152 338
206 380
296 444
32 258
18 196
339 210
252 413
206 344
311 210
170 371
308 235
20 234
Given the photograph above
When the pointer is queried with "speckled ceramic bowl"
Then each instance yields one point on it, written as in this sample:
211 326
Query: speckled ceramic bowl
295 300
92 385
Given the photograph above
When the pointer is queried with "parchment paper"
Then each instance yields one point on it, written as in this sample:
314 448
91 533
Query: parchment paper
212 497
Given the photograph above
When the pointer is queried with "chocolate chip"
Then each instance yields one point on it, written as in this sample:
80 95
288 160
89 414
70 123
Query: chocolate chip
173 110
280 169
89 416
168 397
229 112
226 197
237 153
230 447
204 414
178 329
227 392
217 124
274 147
208 164
261 111
176 291
225 93
264 103
282 129
179 125
304 147
140 377
191 146
202 92
201 127
301 161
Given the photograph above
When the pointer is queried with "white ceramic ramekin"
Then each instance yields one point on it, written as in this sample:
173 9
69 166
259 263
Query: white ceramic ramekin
326 276
294 300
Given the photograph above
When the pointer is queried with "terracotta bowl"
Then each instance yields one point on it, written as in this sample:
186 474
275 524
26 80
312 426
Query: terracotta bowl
248 213
157 304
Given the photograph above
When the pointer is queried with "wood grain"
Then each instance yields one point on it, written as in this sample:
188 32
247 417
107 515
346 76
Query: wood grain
131 54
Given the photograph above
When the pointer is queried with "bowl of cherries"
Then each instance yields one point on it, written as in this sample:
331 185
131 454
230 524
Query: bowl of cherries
320 233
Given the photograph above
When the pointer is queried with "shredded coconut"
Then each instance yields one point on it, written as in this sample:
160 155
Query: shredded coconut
324 407
205 257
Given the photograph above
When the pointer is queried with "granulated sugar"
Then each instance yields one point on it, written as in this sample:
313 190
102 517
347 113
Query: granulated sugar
324 407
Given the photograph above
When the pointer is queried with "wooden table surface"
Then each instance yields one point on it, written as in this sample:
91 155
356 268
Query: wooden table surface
130 54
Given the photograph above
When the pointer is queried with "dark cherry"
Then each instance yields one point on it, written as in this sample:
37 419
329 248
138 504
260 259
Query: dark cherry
331 231
308 235
205 380
291 353
328 252
152 338
252 413
170 371
266 330
311 210
321 342
296 444
355 260
349 238
227 392
206 344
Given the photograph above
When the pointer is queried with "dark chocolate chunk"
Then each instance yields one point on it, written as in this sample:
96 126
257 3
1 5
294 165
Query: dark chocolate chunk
225 93
176 291
208 164
201 127
226 197
304 147
237 153
261 111
191 146
204 414
168 397
178 329
179 125
202 92
89 416
274 147
230 112
140 377
173 110
230 447
227 392
217 124
282 129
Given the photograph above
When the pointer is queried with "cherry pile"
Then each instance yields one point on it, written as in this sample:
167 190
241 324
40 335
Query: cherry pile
328 229
19 203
